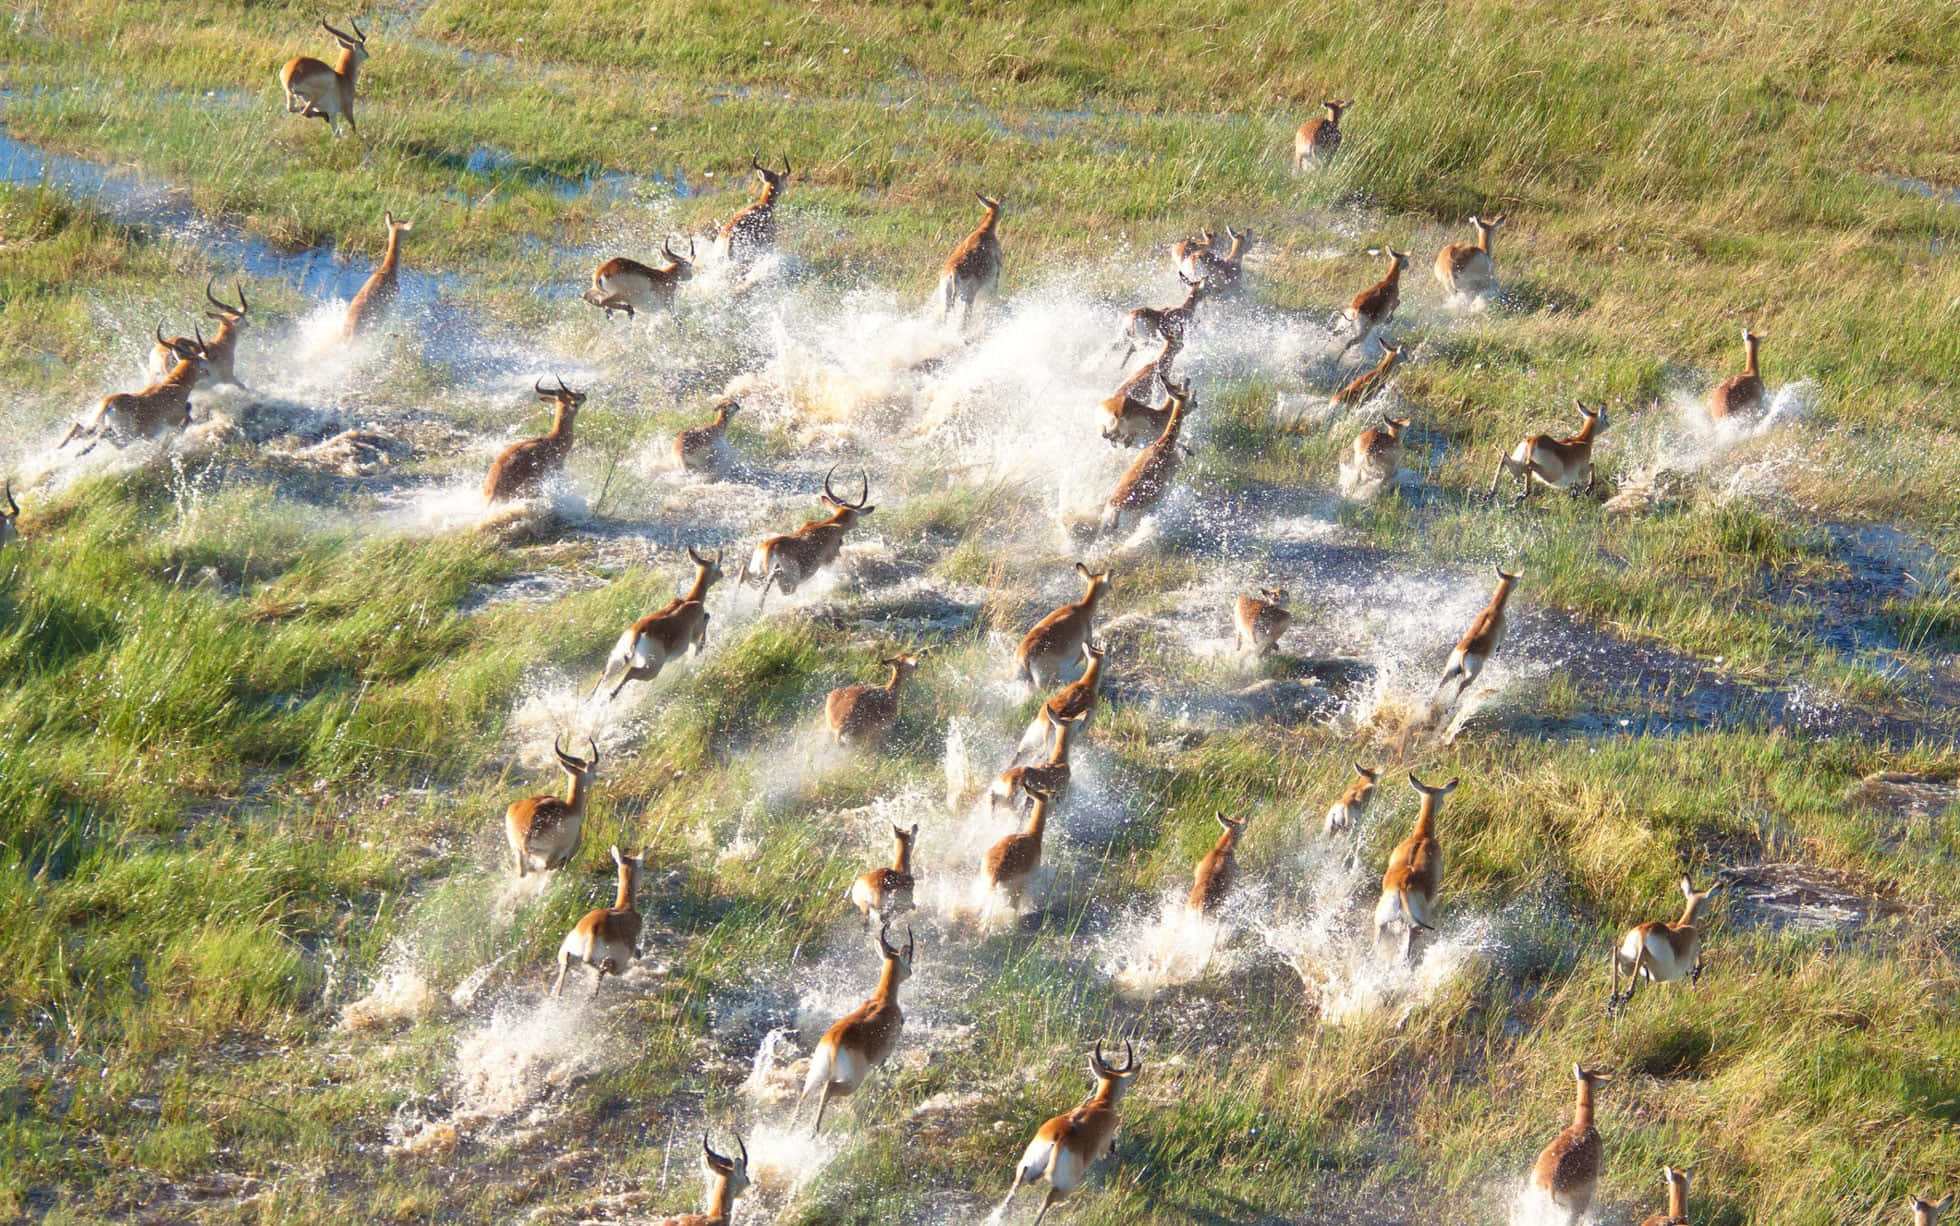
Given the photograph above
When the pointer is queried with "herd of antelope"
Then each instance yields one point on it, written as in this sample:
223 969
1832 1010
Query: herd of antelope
545 832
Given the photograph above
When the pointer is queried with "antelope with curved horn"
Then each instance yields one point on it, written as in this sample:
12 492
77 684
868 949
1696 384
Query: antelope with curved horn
1066 1147
1366 385
1149 478
371 306
1057 638
1260 621
1186 252
1218 273
1478 643
1318 139
163 405
545 832
607 939
1346 813
1051 776
1374 459
1155 325
220 351
318 90
666 634
974 266
522 469
697 449
1927 1212
1218 872
728 1178
1740 395
1011 863
10 518
1676 1179
1561 463
1375 306
1466 268
864 714
1567 1170
1128 419
790 560
884 892
1415 871
626 285
1659 951
752 231
861 1039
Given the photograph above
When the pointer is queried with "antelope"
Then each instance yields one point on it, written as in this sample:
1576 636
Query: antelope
1927 1212
1479 642
1317 139
377 297
752 231
1051 776
1676 1179
1221 272
1259 621
626 285
887 891
1011 863
1219 870
1058 638
609 938
697 449
1076 701
864 714
1185 253
1363 387
220 351
545 832
10 518
1149 478
1740 395
523 467
163 405
1128 419
728 1179
1158 324
974 266
1374 458
315 90
1375 306
1345 813
861 1039
1567 1170
1415 870
1466 268
790 560
1561 463
1066 1147
666 634
1660 951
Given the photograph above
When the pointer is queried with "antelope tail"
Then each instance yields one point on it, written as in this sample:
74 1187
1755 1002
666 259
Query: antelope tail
1408 913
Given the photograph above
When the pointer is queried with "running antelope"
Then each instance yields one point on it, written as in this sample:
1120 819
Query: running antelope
861 1039
163 405
1374 459
752 231
1317 139
1218 872
973 268
1415 871
377 297
1058 638
864 714
1185 253
788 561
1676 1179
1659 951
317 90
626 285
1153 325
1375 306
1261 620
1011 863
523 467
697 449
1364 386
1562 463
609 938
545 832
10 518
1149 478
1346 813
1218 272
1567 1170
1051 776
1466 268
1927 1212
1066 1147
220 351
1479 642
665 634
1077 700
1740 395
728 1178
1128 419
884 892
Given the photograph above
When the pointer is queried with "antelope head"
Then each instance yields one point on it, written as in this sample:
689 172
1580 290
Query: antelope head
732 1171
899 961
772 180
708 570
224 312
679 266
848 511
581 770
568 401
1110 1080
354 45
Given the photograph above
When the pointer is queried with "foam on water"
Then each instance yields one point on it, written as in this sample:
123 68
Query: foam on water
400 993
1532 1207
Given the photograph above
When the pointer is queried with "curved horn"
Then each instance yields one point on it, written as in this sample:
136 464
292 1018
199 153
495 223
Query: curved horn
755 160
911 942
211 298
561 382
340 34
786 171
744 1147
13 508
697 558
1129 1057
864 491
594 763
564 759
714 1159
360 35
884 943
196 332
160 340
827 491
243 306
667 247
538 387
